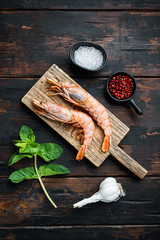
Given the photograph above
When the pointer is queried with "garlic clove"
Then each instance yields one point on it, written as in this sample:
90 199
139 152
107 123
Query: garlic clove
112 198
107 182
122 192
94 198
109 191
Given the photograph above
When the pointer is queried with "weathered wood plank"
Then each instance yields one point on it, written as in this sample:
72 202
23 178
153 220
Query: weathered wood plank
94 152
147 97
144 232
39 92
80 4
34 40
142 142
25 204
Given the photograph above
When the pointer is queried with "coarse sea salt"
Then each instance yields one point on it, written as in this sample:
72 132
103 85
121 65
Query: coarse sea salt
88 57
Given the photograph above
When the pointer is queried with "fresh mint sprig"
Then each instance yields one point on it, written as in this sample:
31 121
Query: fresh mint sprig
30 149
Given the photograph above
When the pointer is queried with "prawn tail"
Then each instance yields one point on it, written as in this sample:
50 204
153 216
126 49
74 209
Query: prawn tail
81 152
106 143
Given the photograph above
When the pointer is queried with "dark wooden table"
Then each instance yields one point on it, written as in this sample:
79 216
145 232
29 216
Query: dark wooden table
33 36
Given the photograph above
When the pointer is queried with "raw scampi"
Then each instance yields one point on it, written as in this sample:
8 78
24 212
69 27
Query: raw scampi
109 191
78 96
76 118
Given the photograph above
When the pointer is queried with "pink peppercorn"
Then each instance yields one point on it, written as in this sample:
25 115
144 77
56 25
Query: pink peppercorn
121 87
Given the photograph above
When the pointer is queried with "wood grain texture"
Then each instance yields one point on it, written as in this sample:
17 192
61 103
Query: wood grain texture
31 40
39 92
112 232
25 204
94 152
41 38
127 161
80 4
141 143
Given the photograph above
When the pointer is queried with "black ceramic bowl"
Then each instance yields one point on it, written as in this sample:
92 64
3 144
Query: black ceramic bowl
89 44
128 100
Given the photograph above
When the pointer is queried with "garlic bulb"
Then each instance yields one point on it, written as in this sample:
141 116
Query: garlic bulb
109 191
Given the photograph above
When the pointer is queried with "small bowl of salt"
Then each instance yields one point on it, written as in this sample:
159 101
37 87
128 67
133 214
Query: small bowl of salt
88 56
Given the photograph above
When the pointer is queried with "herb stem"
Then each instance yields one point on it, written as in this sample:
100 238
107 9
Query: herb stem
41 183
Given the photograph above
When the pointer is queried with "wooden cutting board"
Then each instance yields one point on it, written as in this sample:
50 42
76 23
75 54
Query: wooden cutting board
94 153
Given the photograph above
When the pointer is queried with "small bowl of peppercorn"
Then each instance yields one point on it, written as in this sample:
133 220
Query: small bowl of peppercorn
121 87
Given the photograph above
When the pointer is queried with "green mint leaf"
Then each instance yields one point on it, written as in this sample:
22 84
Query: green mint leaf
20 144
26 134
18 141
31 148
33 144
22 149
52 169
23 174
49 151
44 170
17 157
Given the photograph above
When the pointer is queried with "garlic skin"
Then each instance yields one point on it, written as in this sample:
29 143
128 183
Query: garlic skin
109 191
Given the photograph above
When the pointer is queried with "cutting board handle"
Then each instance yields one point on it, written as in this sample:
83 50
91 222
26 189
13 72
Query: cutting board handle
127 161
